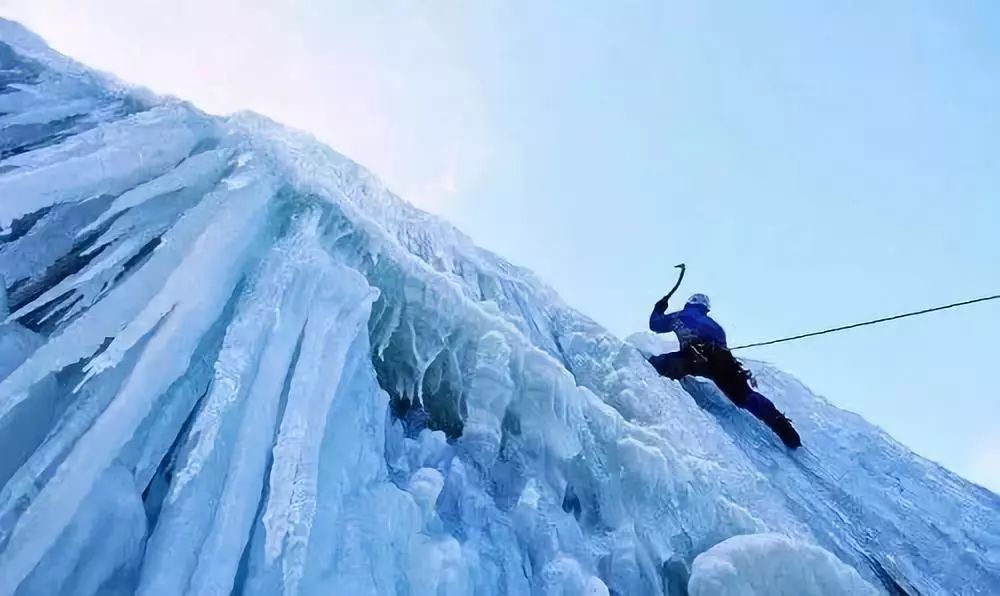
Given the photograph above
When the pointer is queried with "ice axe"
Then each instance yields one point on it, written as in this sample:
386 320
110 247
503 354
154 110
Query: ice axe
680 278
661 304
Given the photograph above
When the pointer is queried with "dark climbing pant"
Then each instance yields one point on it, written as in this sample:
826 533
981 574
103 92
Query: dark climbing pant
721 367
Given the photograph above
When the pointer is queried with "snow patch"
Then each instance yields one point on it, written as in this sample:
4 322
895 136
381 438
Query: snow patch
653 344
773 565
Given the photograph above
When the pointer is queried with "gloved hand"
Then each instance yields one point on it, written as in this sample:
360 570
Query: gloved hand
661 305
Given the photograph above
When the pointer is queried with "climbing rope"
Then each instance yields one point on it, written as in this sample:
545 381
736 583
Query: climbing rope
874 322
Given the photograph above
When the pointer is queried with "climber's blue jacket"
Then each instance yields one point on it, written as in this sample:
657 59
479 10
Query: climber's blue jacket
691 324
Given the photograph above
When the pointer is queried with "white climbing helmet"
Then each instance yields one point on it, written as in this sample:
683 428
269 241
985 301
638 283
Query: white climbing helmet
700 300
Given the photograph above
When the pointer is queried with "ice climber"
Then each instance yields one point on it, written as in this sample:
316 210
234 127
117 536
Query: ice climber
704 353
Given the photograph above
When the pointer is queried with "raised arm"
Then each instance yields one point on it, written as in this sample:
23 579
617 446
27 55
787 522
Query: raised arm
661 321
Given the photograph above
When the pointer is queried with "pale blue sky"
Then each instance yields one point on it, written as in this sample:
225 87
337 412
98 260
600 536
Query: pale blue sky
813 163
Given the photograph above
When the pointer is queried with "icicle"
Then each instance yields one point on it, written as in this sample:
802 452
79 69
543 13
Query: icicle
164 358
124 159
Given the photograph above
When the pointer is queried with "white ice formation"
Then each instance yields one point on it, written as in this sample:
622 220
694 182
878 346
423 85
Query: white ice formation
772 565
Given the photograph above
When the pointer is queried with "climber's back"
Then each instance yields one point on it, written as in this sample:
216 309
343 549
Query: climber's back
691 324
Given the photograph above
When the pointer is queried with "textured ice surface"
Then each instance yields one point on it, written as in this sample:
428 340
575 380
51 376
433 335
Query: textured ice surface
232 362
772 565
